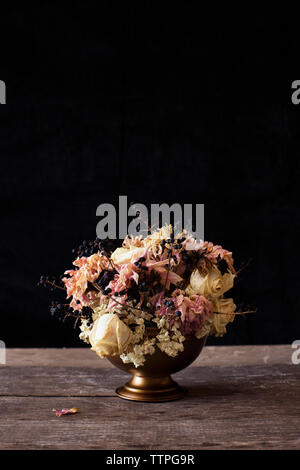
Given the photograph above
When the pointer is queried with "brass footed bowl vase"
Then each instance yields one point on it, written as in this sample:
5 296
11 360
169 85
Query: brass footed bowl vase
152 382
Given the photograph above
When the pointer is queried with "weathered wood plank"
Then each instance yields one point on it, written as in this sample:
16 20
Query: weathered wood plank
210 421
240 398
71 381
211 355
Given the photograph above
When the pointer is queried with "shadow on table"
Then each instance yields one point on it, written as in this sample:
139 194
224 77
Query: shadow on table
202 390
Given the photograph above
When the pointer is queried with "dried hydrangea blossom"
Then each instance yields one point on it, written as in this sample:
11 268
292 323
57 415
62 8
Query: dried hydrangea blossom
85 329
139 352
170 341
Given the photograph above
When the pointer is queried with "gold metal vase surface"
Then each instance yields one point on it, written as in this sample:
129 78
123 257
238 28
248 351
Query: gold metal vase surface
152 382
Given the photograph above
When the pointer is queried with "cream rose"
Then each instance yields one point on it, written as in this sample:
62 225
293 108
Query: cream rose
110 336
125 255
224 306
218 327
214 284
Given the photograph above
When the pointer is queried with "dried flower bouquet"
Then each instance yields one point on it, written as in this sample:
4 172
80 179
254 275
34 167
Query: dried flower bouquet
150 293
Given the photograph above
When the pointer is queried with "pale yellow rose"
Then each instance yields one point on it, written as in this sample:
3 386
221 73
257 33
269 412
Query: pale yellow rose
220 321
213 284
125 255
110 336
224 305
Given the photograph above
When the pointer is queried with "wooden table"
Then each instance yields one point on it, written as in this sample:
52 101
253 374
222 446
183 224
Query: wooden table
240 398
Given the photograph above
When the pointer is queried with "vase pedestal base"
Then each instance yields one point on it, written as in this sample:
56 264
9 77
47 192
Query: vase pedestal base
151 389
152 381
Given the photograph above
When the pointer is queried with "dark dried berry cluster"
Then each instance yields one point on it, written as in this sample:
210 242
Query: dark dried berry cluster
86 249
104 279
172 243
50 282
86 313
59 310
63 311
139 264
148 282
120 293
55 307
106 247
44 281
168 303
142 286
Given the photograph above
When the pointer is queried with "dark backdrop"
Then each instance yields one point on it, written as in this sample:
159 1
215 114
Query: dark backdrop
178 104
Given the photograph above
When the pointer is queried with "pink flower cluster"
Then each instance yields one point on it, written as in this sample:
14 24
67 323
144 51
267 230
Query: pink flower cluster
76 280
190 312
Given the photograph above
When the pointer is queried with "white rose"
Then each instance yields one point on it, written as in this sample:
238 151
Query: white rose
214 284
110 336
125 255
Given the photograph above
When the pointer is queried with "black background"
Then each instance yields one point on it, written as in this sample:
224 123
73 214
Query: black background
162 104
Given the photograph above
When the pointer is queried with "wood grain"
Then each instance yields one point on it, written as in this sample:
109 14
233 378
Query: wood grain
231 404
211 355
